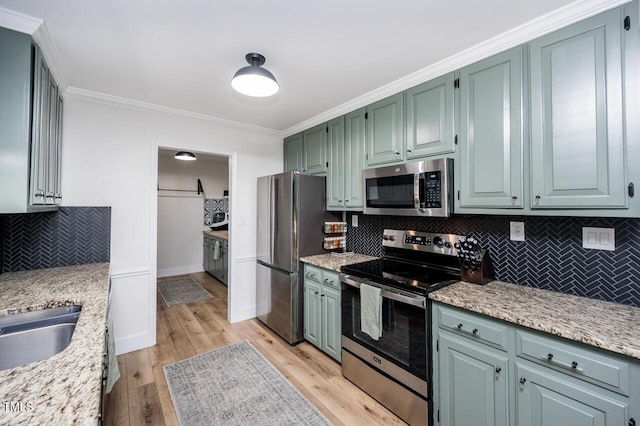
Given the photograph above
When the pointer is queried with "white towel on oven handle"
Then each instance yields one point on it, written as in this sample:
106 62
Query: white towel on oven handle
371 311
216 250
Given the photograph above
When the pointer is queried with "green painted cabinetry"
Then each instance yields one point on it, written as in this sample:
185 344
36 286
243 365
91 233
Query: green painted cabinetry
429 118
30 128
293 149
577 127
315 149
489 372
385 130
215 258
490 132
322 323
346 142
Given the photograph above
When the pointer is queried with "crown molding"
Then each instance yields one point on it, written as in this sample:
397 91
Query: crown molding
535 28
19 22
103 98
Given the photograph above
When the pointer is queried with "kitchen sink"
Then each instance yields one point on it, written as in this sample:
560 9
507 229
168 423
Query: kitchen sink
33 336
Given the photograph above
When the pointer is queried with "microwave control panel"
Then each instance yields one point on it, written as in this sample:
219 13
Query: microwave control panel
432 190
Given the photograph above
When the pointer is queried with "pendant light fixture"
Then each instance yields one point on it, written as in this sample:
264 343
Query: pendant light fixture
254 80
185 156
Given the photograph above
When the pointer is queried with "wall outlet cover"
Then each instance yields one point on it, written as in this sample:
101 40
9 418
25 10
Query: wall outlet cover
516 231
354 220
599 238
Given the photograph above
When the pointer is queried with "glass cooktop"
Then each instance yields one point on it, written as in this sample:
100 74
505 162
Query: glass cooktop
412 277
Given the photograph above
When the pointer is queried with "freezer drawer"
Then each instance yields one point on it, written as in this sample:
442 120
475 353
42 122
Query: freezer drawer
279 302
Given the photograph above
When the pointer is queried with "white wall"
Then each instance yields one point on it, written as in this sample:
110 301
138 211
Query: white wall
180 214
109 156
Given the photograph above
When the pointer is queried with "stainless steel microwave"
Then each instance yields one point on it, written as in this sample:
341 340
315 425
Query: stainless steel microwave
420 188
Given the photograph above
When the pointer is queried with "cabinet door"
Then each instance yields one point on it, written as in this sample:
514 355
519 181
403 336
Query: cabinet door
315 149
577 135
205 254
473 384
40 132
491 137
331 322
430 118
57 161
293 159
336 169
52 143
385 130
312 323
546 399
354 158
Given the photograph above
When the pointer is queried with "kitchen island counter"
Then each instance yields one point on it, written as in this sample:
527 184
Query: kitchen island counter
606 325
217 234
334 262
64 388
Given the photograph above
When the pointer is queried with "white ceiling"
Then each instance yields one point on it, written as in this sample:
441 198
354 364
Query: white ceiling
182 54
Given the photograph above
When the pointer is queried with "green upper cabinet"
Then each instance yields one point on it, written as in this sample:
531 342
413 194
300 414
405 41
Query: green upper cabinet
315 149
293 159
429 126
336 169
577 134
346 142
385 130
490 132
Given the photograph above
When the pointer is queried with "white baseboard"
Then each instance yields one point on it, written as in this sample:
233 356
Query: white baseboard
134 343
179 270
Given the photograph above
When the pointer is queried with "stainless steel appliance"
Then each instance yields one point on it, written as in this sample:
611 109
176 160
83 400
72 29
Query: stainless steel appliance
396 368
420 188
291 212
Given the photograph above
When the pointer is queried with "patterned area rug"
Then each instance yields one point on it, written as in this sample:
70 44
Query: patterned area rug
181 291
236 385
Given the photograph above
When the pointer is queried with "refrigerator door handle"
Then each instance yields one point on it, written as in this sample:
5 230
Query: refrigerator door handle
272 215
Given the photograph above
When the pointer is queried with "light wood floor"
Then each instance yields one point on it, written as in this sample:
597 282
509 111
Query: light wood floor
141 395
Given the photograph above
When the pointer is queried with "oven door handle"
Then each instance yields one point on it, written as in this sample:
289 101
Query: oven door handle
419 301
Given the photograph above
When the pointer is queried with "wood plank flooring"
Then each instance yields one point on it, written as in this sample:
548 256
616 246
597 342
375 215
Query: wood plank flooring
141 396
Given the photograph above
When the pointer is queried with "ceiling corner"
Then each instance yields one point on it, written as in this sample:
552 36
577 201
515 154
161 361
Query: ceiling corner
19 22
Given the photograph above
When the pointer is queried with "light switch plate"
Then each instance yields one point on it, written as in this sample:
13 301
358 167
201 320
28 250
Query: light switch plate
599 238
516 231
354 220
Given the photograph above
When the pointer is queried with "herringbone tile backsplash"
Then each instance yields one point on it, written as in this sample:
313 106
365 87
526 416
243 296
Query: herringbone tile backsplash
551 258
70 236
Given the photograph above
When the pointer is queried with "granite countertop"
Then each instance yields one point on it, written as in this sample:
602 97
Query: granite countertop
218 234
335 262
607 325
65 388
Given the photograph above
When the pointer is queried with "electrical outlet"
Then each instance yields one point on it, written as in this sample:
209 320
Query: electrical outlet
599 238
516 231
354 220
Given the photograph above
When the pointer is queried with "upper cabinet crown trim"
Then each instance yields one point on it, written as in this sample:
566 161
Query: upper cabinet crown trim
542 25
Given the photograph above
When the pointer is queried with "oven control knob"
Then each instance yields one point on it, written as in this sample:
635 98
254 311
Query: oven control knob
438 242
447 244
385 237
392 238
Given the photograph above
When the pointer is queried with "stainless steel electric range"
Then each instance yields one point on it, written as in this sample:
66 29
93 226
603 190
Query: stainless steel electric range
396 368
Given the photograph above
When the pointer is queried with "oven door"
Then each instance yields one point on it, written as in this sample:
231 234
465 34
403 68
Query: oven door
404 327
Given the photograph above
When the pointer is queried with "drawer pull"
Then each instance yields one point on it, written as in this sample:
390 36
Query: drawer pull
315 292
632 422
460 326
522 380
498 370
475 331
573 366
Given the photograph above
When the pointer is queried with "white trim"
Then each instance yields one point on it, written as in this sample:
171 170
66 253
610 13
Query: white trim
127 274
118 101
134 343
544 24
51 56
19 22
246 259
179 270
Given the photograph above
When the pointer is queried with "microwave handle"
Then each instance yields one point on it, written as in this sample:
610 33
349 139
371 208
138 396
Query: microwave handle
421 201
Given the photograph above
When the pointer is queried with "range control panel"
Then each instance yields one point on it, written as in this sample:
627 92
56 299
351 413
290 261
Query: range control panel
421 241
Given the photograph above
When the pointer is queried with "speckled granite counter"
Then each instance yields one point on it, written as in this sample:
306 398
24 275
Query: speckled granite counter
218 234
334 262
606 325
65 388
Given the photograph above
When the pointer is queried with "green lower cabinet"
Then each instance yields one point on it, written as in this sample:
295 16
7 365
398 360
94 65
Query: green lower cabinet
473 384
533 379
545 400
322 316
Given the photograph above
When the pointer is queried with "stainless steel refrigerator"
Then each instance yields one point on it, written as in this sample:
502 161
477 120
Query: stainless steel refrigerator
291 212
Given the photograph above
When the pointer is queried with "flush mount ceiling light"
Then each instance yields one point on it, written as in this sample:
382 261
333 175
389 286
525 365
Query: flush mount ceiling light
254 80
184 155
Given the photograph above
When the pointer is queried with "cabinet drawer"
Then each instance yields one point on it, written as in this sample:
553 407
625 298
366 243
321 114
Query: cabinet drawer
475 327
312 273
581 362
331 279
